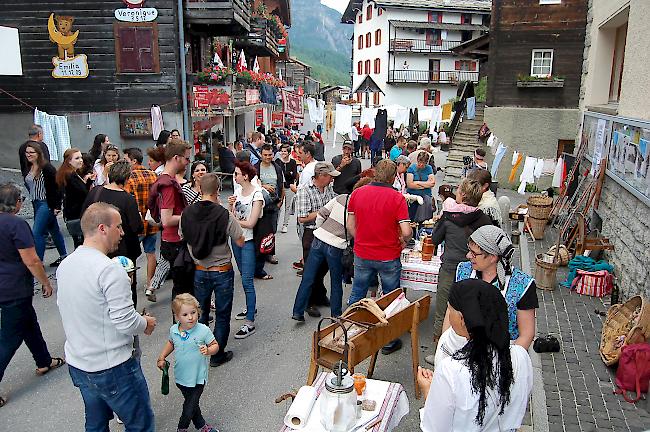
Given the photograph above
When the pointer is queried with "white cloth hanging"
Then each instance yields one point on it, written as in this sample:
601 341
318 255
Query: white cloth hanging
557 174
436 117
342 121
528 174
55 133
401 118
368 117
549 167
539 166
498 157
515 156
492 140
157 124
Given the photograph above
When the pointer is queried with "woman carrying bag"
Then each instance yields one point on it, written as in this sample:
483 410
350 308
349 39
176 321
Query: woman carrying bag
75 190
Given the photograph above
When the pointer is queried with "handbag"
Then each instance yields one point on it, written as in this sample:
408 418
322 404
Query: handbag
633 371
593 283
347 257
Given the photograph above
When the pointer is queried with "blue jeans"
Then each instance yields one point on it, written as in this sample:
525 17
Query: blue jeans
245 258
222 284
44 222
319 252
365 273
122 390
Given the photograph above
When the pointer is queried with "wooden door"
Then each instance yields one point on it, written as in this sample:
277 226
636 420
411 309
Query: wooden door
434 70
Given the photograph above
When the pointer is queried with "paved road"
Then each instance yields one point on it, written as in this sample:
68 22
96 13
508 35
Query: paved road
240 395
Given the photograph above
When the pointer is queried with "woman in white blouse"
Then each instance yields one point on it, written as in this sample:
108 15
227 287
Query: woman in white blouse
486 384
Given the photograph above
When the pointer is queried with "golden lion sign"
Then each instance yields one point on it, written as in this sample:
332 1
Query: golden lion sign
66 64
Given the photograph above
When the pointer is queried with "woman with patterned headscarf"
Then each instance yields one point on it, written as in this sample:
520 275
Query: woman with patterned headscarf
485 384
490 254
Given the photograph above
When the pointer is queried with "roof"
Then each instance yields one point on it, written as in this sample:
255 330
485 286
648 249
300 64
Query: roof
368 85
437 26
460 5
478 47
334 87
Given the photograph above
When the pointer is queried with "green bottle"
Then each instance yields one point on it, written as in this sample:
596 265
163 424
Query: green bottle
164 387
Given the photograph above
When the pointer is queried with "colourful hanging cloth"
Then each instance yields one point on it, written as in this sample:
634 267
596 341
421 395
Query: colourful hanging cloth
511 179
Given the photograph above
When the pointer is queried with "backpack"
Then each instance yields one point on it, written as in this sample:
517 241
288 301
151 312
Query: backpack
633 371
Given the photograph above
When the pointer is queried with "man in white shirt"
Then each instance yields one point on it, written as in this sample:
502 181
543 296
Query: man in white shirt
307 156
100 321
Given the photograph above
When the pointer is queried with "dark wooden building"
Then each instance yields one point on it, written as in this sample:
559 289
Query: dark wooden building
534 75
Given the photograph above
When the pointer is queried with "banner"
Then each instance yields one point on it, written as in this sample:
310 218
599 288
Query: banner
292 104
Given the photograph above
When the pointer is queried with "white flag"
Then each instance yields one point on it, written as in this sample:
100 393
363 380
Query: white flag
241 63
217 60
256 66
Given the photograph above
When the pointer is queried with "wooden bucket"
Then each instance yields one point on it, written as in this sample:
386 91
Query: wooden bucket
545 273
537 227
539 206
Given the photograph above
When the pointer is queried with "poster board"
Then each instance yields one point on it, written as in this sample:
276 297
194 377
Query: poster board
10 52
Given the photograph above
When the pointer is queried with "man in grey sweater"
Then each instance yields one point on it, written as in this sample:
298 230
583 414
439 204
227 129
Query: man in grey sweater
99 320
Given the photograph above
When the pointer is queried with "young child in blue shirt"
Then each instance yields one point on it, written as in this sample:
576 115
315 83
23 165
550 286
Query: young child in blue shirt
192 343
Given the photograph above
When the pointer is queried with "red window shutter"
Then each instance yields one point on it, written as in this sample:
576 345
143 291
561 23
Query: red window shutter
437 102
360 17
439 17
367 67
368 40
430 16
380 11
378 37
128 60
369 12
457 65
359 68
473 66
426 97
360 42
144 41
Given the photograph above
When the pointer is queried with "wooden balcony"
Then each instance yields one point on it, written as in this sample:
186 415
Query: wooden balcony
260 40
230 17
421 46
430 77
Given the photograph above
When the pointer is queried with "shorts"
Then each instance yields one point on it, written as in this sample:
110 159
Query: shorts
149 243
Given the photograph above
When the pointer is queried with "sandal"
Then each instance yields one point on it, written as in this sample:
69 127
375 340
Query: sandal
57 363
3 402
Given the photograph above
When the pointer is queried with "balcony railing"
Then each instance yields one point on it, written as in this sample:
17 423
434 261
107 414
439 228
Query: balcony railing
233 15
260 40
430 77
421 45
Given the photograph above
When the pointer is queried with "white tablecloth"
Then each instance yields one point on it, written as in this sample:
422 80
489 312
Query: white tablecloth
392 405
420 275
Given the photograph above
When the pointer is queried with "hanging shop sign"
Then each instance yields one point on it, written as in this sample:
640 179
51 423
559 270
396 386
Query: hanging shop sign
207 100
252 96
277 119
66 63
259 117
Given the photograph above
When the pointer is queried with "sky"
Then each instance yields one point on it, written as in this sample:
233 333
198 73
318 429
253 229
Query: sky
339 5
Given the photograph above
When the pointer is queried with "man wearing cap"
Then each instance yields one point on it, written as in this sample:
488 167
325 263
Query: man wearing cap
309 201
349 167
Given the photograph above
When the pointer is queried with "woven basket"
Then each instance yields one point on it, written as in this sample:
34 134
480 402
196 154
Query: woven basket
545 273
537 226
564 255
619 323
539 206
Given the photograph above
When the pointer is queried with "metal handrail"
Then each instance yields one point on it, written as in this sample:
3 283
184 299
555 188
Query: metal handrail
455 121
421 45
431 76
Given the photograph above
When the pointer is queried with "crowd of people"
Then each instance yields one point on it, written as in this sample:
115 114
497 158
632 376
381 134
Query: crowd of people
351 223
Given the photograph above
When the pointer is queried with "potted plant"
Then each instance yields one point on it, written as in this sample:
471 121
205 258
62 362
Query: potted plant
524 81
214 75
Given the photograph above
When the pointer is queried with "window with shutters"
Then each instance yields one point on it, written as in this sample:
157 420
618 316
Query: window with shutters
435 17
380 11
367 67
378 37
136 48
368 40
466 18
369 12
375 98
433 37
377 66
359 97
359 67
360 18
360 42
465 65
431 97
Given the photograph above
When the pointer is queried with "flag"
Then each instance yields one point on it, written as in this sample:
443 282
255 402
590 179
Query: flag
217 60
256 66
292 104
241 63
280 74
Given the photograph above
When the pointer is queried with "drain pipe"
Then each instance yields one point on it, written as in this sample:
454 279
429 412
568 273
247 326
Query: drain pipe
181 43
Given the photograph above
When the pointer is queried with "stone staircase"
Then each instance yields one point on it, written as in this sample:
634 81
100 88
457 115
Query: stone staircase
464 143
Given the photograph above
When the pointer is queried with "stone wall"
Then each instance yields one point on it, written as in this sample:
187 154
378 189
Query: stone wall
626 221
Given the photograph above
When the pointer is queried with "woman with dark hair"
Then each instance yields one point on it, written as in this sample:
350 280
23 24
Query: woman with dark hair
75 189
192 189
246 205
156 159
46 199
100 143
114 193
164 137
175 134
109 157
485 385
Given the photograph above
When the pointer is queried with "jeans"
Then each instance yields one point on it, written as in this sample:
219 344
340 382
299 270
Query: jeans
260 260
320 252
288 205
245 258
191 409
44 222
365 273
18 324
318 291
122 390
373 156
222 284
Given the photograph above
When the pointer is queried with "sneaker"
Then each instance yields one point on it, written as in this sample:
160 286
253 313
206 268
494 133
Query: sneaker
227 356
57 262
298 265
245 331
150 294
299 273
208 428
242 315
299 318
284 229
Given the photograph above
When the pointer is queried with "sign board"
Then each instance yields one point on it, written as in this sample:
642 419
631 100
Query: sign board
201 96
10 52
277 119
259 117
136 14
252 96
76 67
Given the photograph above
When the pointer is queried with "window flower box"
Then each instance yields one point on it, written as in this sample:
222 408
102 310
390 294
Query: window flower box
528 81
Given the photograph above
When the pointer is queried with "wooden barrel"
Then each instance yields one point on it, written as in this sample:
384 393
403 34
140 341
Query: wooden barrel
545 273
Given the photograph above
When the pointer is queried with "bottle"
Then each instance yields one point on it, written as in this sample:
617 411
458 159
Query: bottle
615 293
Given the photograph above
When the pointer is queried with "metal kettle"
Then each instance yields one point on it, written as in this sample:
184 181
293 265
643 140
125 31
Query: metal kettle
339 400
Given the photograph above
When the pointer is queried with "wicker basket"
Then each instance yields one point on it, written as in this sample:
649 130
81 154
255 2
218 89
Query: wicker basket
539 206
564 255
545 273
537 227
620 322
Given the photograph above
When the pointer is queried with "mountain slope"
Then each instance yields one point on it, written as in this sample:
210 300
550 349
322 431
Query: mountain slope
319 39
